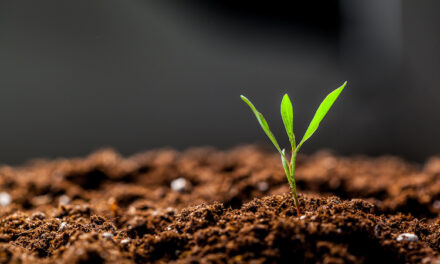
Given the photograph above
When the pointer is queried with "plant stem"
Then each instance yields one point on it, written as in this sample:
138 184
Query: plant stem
292 180
295 197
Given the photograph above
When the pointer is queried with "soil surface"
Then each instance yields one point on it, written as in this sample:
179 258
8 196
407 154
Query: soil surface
210 206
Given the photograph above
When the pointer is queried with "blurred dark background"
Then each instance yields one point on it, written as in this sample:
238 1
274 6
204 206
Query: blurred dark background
135 75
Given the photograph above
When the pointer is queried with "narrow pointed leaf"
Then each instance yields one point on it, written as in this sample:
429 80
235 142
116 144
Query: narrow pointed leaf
321 112
287 115
286 167
263 124
266 129
250 105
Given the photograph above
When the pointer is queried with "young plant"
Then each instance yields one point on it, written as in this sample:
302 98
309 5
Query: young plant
287 116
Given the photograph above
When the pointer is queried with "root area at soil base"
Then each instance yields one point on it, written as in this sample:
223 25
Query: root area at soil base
208 206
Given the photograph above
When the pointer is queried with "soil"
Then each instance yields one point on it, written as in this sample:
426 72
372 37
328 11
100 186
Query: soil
208 206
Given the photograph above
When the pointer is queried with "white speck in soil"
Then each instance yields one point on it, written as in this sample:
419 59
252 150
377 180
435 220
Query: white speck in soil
262 186
407 237
63 226
107 235
64 199
5 199
302 217
171 211
179 185
125 241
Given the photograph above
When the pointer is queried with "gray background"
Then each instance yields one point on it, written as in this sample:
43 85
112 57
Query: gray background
135 75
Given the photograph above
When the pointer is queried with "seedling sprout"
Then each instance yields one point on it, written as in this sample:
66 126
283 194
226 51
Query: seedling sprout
287 116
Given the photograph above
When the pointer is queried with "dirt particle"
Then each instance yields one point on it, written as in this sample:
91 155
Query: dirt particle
38 215
171 211
436 204
5 199
64 199
62 227
98 220
180 185
407 237
125 241
107 235
263 186
41 200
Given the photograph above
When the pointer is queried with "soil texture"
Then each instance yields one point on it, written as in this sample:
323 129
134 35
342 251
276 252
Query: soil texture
209 206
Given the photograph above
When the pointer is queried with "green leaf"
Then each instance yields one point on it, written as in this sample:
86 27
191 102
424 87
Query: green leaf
287 115
285 166
321 112
263 124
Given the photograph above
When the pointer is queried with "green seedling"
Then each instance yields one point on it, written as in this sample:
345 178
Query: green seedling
287 116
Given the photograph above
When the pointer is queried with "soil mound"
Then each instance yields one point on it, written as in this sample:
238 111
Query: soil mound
210 206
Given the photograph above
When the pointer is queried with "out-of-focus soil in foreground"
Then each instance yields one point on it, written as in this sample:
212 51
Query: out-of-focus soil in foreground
210 206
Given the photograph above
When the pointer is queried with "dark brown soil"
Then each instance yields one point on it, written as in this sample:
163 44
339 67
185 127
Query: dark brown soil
231 207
